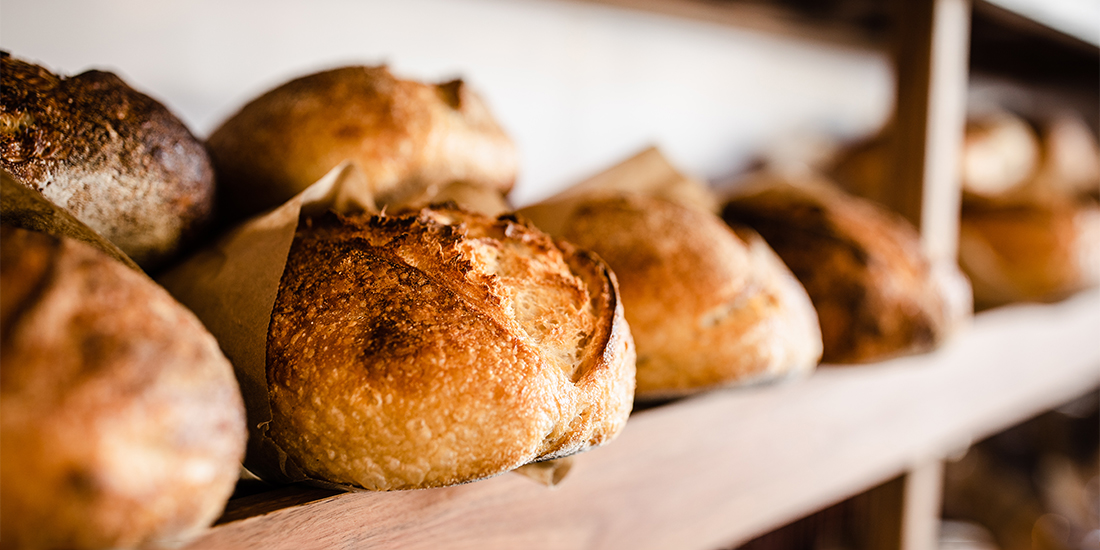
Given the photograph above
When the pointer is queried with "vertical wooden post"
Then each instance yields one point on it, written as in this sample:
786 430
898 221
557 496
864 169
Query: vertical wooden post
931 55
876 517
921 505
901 514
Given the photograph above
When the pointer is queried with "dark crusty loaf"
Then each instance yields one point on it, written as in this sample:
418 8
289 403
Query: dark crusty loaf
875 292
408 138
441 347
121 424
114 157
706 308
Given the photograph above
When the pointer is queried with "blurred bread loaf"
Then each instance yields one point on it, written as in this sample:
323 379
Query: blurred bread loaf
1040 251
1031 192
410 139
708 307
875 293
1070 158
441 347
115 158
1000 154
1038 240
121 424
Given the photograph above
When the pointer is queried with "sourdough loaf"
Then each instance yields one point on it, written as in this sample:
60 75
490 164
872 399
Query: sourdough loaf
1035 251
441 347
121 424
707 308
114 157
410 139
875 292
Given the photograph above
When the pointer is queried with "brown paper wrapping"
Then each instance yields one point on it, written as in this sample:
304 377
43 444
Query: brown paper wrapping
648 173
232 286
25 208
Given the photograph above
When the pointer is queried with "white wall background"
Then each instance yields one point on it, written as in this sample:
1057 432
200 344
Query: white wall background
579 86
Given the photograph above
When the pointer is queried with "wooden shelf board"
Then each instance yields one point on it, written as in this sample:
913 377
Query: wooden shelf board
724 467
763 16
1063 19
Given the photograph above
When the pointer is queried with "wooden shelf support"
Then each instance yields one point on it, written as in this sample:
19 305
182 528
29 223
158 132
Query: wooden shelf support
931 58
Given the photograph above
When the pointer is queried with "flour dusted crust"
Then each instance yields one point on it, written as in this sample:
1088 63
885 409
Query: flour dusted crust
707 308
121 424
442 347
410 139
117 159
876 294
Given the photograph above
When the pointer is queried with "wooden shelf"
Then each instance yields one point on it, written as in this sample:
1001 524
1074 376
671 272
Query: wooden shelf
721 468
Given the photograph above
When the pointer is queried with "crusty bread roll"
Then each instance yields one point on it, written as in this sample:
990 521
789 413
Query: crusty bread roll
706 308
441 347
875 292
408 138
121 424
1070 160
1037 251
114 157
1000 154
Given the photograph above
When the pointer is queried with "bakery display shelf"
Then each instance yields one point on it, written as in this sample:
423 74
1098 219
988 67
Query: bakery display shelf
724 467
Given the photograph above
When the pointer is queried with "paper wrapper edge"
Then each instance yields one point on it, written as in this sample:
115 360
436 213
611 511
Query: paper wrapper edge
648 173
232 286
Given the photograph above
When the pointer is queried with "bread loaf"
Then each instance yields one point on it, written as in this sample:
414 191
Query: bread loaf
121 424
875 292
1000 154
1039 251
409 139
441 347
114 157
707 308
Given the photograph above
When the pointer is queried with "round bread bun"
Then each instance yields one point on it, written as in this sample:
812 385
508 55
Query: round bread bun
441 347
121 424
114 157
1040 251
707 308
408 138
875 292
1000 154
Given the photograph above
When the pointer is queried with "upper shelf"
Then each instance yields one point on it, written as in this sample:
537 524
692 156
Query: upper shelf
726 466
1079 19
1057 39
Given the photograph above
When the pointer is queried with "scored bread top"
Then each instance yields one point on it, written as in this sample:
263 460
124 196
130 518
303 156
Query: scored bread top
708 308
441 347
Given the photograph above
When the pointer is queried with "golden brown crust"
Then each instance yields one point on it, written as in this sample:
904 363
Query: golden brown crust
1042 251
441 347
114 157
408 138
874 291
120 420
707 309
